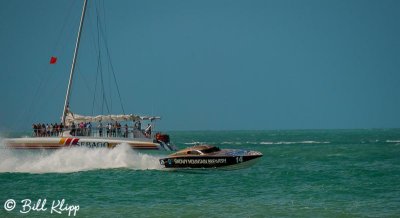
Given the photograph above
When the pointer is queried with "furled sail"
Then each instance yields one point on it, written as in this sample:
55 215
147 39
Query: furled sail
76 118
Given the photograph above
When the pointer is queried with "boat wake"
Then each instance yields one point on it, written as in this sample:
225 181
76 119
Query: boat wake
274 143
69 160
295 142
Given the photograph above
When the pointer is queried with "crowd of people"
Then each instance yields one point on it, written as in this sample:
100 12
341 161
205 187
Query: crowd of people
113 130
85 129
45 130
81 129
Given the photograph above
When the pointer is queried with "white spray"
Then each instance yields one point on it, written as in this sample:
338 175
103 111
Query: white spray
75 159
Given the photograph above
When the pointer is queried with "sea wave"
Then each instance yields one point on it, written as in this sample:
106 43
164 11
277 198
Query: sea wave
76 159
393 141
260 143
295 142
193 143
238 143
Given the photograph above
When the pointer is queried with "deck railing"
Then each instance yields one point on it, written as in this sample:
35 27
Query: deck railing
103 132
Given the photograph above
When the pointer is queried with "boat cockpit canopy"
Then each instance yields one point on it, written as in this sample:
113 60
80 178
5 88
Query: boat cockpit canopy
211 149
198 150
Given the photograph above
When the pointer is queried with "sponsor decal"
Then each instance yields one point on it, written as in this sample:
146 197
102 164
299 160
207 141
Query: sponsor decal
68 141
76 142
93 144
199 161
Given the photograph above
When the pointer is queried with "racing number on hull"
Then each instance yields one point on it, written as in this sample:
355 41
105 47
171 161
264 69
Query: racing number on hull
239 159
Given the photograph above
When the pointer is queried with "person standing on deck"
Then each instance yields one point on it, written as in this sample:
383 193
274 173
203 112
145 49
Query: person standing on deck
126 131
43 130
51 129
148 131
117 129
113 129
61 128
100 126
89 128
81 129
108 130
34 129
73 131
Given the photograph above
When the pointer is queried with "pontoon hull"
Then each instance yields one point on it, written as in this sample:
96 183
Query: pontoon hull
91 142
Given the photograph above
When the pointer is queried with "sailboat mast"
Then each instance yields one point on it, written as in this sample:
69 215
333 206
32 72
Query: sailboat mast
66 103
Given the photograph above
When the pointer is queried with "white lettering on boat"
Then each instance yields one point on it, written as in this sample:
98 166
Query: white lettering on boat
200 161
93 144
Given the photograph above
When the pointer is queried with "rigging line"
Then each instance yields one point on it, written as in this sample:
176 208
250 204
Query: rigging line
86 81
104 27
115 80
44 80
64 26
64 45
82 75
78 72
67 67
94 44
100 68
97 75
94 47
104 95
48 93
95 90
102 31
100 65
104 15
46 77
113 73
92 34
102 87
110 86
104 100
70 33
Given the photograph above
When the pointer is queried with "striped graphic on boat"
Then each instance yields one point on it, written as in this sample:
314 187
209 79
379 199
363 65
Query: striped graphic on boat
68 141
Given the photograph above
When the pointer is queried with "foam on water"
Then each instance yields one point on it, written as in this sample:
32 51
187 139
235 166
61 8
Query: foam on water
75 159
290 143
395 142
193 143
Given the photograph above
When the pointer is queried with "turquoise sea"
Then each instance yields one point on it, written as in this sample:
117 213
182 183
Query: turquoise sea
303 173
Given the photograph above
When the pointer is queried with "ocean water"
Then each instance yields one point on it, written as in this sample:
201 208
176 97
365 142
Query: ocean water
308 173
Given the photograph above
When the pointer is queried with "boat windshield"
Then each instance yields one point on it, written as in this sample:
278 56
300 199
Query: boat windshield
210 150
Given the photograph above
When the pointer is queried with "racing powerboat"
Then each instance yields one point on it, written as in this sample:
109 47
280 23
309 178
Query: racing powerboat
207 156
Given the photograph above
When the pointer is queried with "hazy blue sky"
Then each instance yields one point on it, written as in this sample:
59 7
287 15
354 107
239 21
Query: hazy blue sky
209 64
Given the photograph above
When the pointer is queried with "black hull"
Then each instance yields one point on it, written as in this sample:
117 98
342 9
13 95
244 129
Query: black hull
206 161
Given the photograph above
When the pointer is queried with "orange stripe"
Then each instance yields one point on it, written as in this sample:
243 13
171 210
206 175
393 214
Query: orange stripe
62 140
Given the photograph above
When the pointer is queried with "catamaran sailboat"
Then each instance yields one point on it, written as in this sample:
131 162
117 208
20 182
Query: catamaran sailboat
73 133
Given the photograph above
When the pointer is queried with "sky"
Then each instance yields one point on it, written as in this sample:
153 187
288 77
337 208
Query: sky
206 65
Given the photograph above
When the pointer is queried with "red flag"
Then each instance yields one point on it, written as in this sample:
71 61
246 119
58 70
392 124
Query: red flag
53 60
